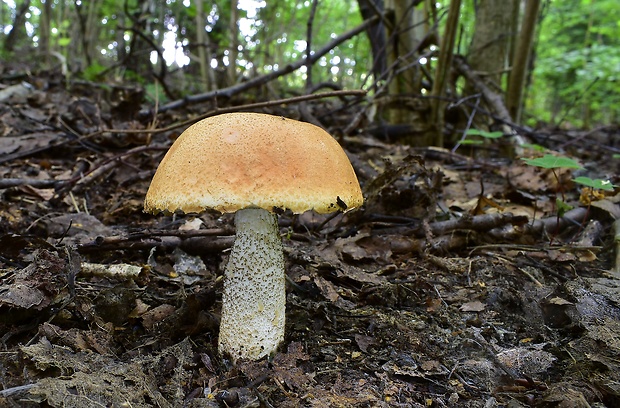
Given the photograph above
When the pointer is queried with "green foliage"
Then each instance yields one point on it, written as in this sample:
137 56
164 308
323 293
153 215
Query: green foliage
562 207
578 63
63 42
280 38
595 183
92 72
155 93
533 146
484 133
550 161
554 162
471 142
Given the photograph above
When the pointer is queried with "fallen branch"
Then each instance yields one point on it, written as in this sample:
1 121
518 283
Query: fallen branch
199 241
184 123
263 79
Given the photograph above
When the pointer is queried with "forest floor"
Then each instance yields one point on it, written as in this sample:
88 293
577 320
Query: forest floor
455 285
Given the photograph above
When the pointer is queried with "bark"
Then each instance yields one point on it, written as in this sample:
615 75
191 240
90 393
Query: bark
18 27
444 63
201 40
233 31
45 31
376 35
489 49
407 32
514 95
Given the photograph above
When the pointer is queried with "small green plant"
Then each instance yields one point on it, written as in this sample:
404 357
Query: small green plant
93 71
597 184
552 162
483 133
477 132
533 146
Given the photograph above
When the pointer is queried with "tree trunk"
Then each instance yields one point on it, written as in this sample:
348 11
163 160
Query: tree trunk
514 96
376 36
489 49
140 50
202 43
45 31
233 54
18 27
406 32
444 63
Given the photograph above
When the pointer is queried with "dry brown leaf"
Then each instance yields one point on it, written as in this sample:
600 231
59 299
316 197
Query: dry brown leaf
327 288
474 306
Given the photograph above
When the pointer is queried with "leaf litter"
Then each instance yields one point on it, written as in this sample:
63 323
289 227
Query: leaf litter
455 285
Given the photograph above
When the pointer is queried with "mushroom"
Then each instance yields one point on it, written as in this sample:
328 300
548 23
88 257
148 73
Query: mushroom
255 165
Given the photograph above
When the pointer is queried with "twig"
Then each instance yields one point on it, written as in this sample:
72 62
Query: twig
191 245
16 391
235 89
15 182
187 122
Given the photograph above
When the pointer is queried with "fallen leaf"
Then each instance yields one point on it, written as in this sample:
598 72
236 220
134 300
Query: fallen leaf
363 342
327 289
475 306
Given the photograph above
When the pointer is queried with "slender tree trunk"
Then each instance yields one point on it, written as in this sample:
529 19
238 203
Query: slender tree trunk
93 28
18 27
121 49
202 43
514 96
489 50
88 30
405 33
45 31
233 53
514 31
444 63
376 36
139 61
490 53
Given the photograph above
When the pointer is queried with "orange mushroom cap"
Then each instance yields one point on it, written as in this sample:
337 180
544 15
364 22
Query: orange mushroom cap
251 160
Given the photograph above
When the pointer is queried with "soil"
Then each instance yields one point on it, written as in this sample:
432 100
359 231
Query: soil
456 285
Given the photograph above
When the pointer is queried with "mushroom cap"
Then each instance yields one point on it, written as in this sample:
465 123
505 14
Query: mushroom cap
251 160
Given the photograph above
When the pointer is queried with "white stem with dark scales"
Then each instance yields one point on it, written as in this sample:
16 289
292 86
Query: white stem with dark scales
254 297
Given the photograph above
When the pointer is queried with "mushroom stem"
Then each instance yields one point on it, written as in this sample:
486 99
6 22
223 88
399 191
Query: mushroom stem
254 297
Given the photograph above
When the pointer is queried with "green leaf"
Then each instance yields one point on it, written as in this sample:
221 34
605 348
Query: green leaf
471 142
92 72
63 42
484 133
595 183
562 207
550 161
533 146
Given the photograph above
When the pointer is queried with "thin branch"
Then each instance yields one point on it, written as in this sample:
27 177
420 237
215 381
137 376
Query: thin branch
260 80
188 122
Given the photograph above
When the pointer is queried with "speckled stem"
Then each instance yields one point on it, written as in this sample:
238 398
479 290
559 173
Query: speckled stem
252 324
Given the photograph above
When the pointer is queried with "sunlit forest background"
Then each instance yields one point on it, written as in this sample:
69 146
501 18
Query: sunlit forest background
391 49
